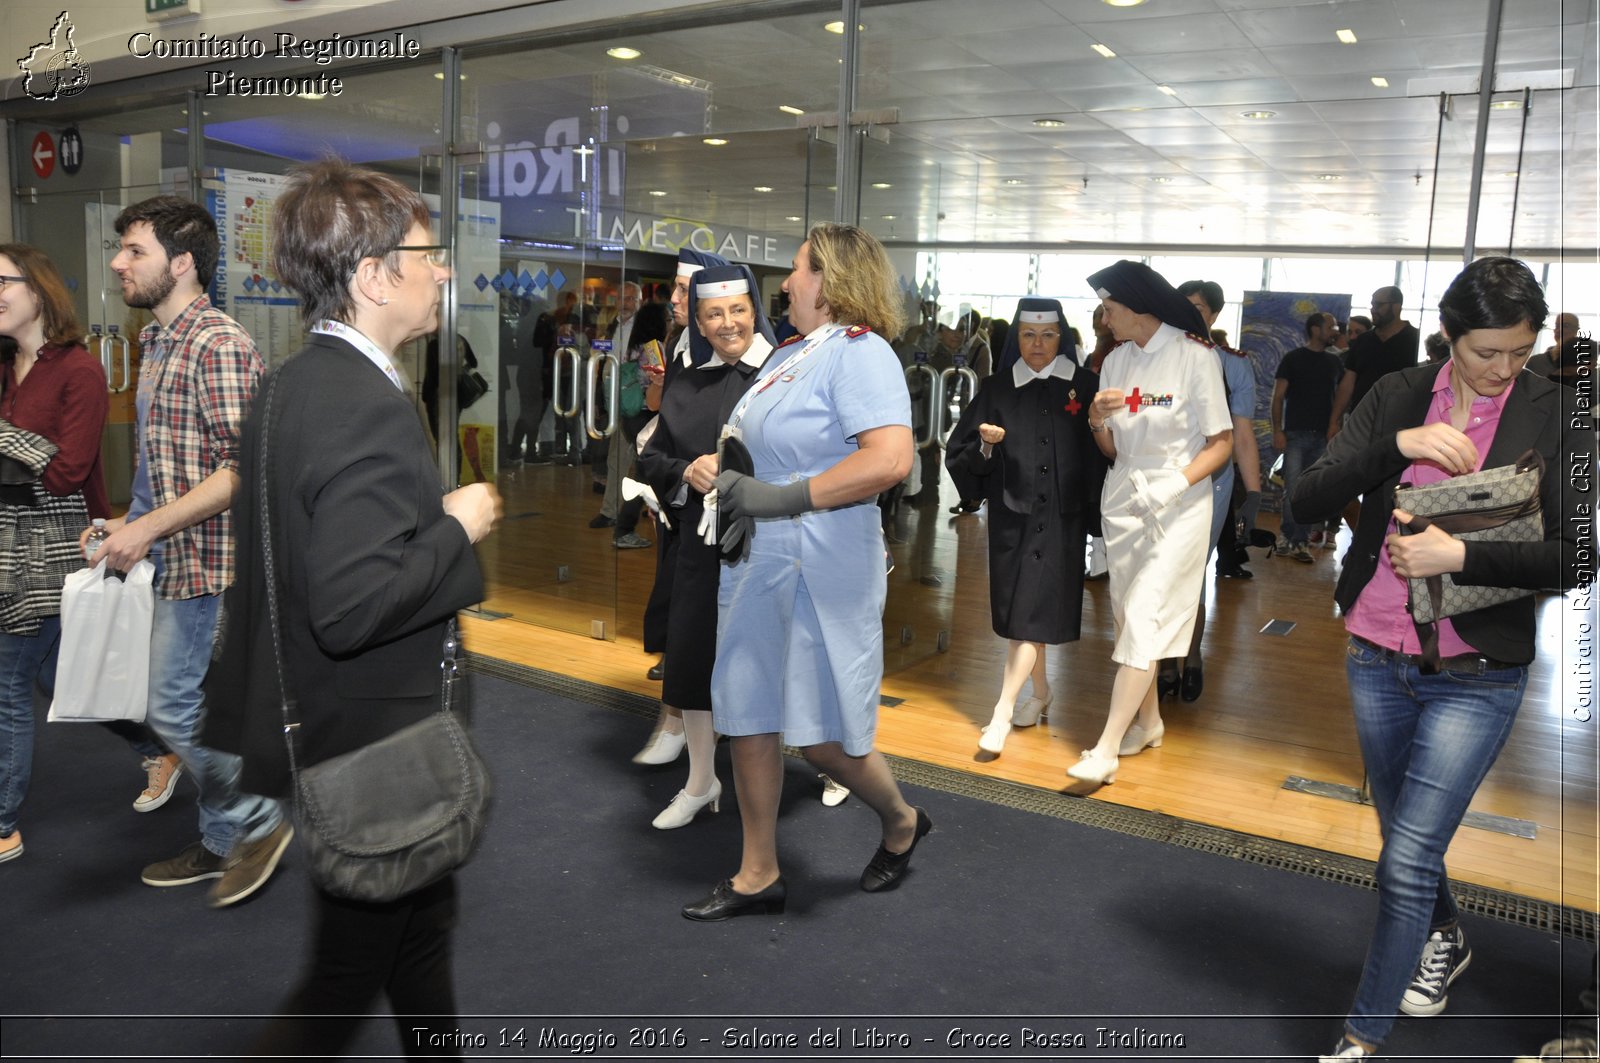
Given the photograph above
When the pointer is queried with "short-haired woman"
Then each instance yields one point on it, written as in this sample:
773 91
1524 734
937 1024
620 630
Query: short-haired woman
800 618
1429 737
373 560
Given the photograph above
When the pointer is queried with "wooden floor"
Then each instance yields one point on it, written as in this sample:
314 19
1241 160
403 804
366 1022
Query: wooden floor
1273 706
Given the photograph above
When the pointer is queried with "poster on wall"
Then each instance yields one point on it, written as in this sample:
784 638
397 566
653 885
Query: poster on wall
244 286
1271 324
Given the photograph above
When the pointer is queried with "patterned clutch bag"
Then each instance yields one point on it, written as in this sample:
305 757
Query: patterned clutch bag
1495 505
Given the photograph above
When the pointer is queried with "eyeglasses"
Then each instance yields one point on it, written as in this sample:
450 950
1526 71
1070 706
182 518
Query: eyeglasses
1028 336
6 280
438 255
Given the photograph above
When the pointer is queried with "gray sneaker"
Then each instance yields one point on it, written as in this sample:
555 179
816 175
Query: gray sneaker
250 865
1302 552
631 542
194 864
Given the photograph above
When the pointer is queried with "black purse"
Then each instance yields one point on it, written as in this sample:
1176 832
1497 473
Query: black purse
385 820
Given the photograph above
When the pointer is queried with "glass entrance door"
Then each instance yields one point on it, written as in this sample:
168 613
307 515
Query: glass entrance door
534 264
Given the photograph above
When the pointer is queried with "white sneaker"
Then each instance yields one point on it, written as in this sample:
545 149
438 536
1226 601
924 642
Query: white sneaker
833 794
663 747
1444 957
685 806
1347 1049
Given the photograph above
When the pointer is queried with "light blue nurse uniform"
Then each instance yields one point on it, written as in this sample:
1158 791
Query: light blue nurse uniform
800 621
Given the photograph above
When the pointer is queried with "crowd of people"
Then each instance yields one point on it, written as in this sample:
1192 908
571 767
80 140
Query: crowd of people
772 456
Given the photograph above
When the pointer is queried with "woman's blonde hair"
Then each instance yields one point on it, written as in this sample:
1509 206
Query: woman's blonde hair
858 283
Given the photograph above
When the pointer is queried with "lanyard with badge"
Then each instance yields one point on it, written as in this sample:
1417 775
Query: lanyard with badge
374 353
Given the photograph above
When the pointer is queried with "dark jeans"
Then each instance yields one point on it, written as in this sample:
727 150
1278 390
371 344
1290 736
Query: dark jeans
400 949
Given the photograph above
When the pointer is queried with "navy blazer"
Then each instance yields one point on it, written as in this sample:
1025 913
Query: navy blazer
370 568
1364 460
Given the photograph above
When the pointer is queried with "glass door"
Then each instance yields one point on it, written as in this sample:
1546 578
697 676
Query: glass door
535 265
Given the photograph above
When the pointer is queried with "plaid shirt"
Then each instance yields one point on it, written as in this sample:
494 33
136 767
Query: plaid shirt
200 374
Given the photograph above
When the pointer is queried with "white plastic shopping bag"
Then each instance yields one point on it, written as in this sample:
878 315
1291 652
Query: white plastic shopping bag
103 672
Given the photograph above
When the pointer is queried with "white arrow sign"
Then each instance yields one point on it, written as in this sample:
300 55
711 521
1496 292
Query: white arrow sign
41 154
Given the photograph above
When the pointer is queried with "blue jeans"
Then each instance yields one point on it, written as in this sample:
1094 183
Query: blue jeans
180 654
24 659
1300 451
1428 741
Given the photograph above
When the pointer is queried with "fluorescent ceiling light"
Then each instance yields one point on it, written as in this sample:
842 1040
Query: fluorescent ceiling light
1168 89
1103 50
786 109
1013 180
1505 105
882 184
1123 3
1328 177
715 142
838 27
888 217
623 52
1162 180
763 188
791 217
657 192
1048 123
1259 116
1381 83
1346 36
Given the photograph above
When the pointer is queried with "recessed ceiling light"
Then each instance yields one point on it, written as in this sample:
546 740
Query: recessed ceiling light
1168 89
1259 116
439 76
1048 123
1510 173
763 188
1505 105
715 142
1381 83
1124 3
623 52
882 184
786 109
309 96
887 217
838 27
1329 176
1013 180
1346 36
657 192
1103 50
791 217
1162 180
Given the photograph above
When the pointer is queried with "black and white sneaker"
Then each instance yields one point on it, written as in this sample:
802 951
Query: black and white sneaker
1346 1049
1444 957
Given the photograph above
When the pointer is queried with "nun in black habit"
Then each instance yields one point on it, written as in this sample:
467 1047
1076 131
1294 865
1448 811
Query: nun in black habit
1023 443
729 340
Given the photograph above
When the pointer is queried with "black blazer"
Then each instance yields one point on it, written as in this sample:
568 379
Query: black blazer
1364 459
370 569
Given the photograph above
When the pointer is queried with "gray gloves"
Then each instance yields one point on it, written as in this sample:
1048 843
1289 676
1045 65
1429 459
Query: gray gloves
740 499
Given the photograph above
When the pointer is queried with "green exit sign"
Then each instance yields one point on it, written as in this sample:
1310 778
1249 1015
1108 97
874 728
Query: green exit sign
159 10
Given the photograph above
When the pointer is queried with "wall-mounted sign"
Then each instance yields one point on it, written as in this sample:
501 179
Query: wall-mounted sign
69 146
42 153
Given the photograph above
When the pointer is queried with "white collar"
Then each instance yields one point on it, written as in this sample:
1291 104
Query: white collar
362 343
1022 376
1164 335
754 356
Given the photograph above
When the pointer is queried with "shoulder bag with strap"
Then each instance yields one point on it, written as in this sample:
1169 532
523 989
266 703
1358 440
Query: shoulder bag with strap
385 820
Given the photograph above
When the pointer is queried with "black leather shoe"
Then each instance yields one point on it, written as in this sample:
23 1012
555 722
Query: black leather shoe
1166 685
1194 681
602 521
966 507
655 672
726 902
887 869
1234 572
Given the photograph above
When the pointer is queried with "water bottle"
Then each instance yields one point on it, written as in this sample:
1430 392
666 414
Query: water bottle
97 535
